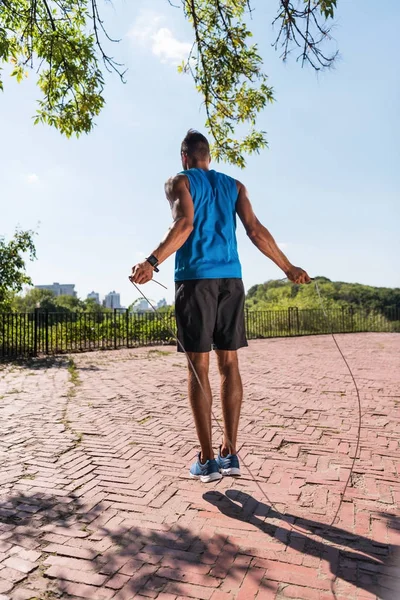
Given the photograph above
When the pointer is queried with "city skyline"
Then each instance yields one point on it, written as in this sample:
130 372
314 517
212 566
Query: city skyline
110 300
63 289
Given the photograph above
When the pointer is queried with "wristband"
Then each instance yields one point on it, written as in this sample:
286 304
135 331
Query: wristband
153 261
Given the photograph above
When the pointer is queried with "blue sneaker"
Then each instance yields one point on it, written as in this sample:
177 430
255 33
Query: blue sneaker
228 465
209 471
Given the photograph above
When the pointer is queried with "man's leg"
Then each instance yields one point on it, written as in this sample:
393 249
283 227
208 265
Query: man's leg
201 401
231 398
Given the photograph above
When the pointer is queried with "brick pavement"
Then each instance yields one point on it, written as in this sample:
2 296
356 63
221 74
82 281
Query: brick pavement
96 503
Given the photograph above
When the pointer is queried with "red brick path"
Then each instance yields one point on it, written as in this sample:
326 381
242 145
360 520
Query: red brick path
96 503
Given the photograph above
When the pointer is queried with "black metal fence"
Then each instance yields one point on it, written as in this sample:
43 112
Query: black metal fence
41 333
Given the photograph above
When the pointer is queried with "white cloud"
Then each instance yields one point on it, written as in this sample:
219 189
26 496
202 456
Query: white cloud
168 48
147 32
145 25
32 178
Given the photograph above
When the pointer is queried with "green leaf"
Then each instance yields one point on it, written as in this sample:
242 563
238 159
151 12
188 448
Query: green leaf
62 41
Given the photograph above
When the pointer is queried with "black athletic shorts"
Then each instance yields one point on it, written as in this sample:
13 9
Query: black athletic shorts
210 314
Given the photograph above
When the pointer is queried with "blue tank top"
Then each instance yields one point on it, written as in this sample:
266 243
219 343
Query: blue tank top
210 252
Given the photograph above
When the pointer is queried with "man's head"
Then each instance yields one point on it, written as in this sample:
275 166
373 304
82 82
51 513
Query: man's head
195 150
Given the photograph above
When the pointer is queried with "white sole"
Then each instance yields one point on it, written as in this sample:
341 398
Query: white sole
207 478
233 471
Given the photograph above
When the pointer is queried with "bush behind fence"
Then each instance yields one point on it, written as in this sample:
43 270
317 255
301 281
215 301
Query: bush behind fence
41 333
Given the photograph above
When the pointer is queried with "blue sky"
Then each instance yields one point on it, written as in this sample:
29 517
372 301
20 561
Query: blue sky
328 187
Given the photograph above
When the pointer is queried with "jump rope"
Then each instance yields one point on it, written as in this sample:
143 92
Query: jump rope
247 468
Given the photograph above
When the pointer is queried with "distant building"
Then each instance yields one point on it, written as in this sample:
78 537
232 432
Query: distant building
112 300
142 306
63 289
94 296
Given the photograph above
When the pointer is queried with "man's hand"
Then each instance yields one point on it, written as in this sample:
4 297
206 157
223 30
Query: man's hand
141 273
297 275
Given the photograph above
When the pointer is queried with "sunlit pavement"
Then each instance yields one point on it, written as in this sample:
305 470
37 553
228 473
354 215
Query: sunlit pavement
95 499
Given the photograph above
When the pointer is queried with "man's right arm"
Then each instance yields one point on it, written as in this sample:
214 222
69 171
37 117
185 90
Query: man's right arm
263 240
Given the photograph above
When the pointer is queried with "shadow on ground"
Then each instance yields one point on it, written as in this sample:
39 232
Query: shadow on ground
162 560
46 362
35 363
150 559
367 564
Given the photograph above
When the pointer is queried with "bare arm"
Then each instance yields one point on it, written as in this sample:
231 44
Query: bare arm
263 240
178 194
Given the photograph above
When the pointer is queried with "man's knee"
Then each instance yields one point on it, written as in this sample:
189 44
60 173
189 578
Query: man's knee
199 360
227 362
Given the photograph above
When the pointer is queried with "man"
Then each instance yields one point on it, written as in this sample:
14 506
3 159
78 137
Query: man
210 296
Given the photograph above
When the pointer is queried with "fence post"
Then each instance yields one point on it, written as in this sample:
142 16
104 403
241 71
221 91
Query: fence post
290 319
47 331
351 311
296 312
35 333
127 327
115 328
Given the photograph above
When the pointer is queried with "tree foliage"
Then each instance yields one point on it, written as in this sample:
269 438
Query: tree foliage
34 298
336 294
228 72
12 265
46 300
63 40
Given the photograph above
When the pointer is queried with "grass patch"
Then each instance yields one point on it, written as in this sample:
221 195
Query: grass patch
66 423
74 379
48 595
143 421
156 352
73 372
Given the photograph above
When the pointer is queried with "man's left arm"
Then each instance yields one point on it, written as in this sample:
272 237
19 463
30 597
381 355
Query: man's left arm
178 194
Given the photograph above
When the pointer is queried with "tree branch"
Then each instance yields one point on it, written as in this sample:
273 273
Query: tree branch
292 33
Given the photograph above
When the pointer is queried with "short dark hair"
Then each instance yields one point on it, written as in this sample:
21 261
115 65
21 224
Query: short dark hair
195 145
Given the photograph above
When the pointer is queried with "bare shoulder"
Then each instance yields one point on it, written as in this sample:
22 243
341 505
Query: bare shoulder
239 186
242 192
175 182
244 208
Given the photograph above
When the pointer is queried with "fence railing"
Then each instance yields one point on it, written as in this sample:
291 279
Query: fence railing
41 333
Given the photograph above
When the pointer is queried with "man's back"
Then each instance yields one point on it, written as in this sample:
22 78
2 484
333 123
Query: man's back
210 252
